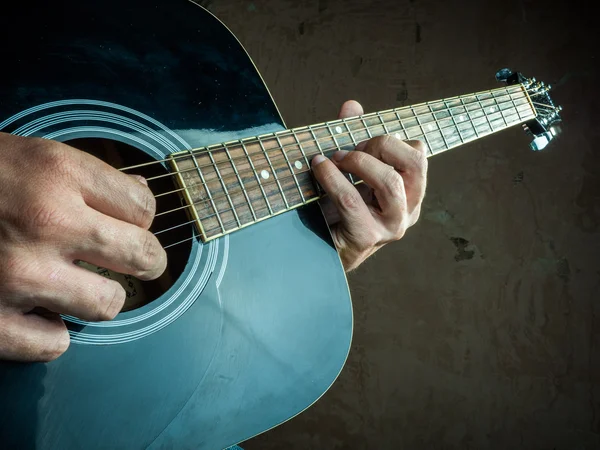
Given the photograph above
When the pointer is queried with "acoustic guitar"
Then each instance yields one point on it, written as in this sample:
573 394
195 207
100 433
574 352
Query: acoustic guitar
252 321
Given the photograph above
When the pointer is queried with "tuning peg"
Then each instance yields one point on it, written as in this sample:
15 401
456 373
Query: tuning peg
559 108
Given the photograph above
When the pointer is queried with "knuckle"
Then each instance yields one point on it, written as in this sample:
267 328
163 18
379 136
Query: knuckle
349 200
370 239
393 182
111 305
42 217
14 274
358 158
145 256
56 348
146 207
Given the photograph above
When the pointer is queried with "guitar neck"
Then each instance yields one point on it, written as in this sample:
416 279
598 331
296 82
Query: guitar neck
235 184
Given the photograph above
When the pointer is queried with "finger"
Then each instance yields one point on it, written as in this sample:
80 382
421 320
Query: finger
118 195
31 337
409 158
121 247
354 213
64 288
350 108
386 182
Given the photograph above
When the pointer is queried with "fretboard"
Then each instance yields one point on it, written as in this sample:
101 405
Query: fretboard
235 184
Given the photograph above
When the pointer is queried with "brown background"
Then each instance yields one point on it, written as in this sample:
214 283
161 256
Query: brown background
480 329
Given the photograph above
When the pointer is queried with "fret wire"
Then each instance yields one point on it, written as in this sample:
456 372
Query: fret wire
485 114
310 128
499 109
423 131
316 140
241 182
516 108
210 155
469 115
301 149
291 168
214 206
439 129
274 174
367 128
345 122
404 130
335 142
351 180
257 178
455 124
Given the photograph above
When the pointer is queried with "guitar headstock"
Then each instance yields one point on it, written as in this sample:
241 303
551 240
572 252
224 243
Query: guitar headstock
543 127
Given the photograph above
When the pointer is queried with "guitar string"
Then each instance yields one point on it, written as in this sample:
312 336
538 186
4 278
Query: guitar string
298 145
507 90
234 176
238 225
291 132
379 116
306 171
303 154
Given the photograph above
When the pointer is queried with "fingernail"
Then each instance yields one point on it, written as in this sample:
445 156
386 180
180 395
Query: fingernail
318 160
338 156
141 179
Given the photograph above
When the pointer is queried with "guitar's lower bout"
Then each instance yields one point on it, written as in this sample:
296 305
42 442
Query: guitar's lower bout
253 327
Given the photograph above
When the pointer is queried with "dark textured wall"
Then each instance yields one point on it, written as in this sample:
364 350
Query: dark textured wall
480 329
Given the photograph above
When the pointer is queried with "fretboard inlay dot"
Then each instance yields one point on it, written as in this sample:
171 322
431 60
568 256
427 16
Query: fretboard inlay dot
338 129
298 165
264 174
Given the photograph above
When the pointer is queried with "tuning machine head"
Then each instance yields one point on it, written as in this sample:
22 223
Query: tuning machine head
544 126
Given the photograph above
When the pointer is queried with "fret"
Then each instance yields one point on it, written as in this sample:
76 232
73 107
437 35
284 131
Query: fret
335 141
485 114
316 140
234 167
274 173
347 175
500 109
383 124
257 178
366 127
401 124
218 172
291 168
429 147
438 126
301 149
205 185
350 133
454 121
352 180
469 116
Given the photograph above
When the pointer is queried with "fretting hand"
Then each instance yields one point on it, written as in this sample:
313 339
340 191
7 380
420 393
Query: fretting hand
366 217
59 205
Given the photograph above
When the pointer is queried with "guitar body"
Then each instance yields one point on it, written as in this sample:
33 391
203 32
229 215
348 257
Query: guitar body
249 329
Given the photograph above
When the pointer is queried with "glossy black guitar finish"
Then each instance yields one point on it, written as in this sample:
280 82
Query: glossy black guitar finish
258 324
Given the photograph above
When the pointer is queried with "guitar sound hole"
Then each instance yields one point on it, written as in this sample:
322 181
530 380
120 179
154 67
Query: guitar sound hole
118 154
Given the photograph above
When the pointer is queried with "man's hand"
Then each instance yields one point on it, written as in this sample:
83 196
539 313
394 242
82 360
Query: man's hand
59 205
365 218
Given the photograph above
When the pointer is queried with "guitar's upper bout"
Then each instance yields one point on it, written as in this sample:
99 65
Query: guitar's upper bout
543 127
